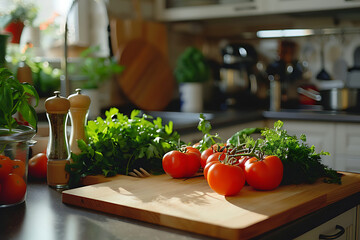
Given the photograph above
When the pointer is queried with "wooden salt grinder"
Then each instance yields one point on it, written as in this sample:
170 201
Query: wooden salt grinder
79 109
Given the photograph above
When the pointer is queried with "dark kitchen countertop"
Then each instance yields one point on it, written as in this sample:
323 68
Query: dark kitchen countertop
43 216
309 115
187 122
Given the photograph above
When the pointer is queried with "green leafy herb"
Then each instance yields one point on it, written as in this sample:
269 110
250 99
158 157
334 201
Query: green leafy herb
301 163
208 139
191 66
241 135
96 69
118 144
15 97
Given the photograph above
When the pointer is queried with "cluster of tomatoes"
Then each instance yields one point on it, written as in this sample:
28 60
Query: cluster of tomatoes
12 180
13 176
225 170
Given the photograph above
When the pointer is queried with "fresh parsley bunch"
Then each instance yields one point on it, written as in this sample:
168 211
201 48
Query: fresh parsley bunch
301 162
118 144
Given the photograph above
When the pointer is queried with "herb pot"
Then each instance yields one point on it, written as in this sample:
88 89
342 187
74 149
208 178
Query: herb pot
14 148
337 99
191 97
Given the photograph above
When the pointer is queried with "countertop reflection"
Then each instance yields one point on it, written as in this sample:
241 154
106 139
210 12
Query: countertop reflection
43 216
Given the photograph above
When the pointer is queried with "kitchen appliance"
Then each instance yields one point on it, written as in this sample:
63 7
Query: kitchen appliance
237 78
337 99
289 71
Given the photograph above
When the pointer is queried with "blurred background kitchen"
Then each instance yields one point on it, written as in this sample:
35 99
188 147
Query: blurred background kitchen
222 54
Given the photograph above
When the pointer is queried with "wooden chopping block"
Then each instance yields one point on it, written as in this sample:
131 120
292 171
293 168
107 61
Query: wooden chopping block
125 34
147 80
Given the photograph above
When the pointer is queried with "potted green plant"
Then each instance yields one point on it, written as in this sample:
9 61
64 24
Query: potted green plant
191 72
96 70
15 136
14 21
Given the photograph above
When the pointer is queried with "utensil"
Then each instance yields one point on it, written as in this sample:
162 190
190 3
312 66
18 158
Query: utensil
140 173
337 99
340 66
323 74
357 57
353 75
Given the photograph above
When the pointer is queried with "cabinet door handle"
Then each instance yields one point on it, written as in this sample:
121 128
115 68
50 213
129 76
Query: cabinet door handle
334 236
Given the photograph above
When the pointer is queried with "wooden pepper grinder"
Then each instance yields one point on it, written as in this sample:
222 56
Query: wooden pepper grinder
58 151
79 109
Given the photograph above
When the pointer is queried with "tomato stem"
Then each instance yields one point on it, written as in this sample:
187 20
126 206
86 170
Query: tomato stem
251 153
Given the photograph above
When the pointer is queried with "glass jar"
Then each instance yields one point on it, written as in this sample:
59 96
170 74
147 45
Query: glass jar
14 156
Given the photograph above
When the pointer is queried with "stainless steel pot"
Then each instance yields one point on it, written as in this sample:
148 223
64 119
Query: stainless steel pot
334 99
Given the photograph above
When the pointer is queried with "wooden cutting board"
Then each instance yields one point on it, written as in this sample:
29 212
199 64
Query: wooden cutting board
190 204
147 80
141 46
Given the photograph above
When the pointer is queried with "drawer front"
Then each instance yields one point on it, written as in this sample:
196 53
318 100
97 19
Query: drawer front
346 222
348 139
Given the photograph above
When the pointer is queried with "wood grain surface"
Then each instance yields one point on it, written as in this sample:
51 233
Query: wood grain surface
147 80
141 47
190 204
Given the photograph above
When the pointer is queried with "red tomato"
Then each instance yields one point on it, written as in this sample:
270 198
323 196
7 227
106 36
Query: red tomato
204 156
242 161
193 150
265 174
13 189
5 166
225 179
18 167
38 166
206 168
179 165
216 157
196 144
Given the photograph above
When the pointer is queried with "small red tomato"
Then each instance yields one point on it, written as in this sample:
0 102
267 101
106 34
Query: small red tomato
217 156
178 164
13 189
18 167
204 156
225 179
38 166
5 166
242 160
264 174
193 150
206 168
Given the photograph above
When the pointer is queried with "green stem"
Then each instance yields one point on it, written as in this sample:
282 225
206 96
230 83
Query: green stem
128 164
251 153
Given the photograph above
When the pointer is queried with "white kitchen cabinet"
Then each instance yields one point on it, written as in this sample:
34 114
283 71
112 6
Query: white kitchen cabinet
226 9
292 6
218 10
319 134
348 137
341 140
345 223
